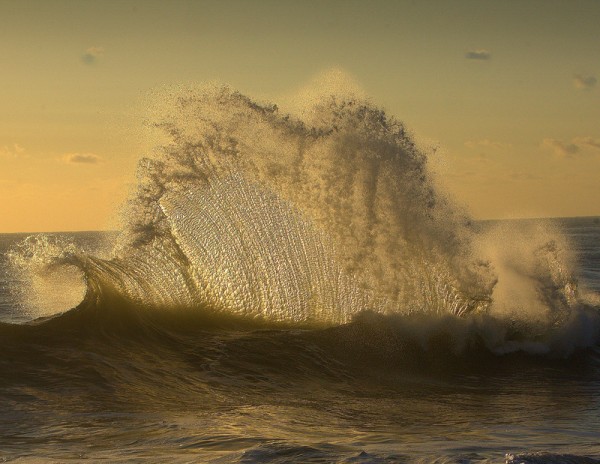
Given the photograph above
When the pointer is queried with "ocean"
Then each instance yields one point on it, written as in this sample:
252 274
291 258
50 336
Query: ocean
298 289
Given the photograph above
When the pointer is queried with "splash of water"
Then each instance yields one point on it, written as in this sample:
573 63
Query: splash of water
247 210
296 219
47 284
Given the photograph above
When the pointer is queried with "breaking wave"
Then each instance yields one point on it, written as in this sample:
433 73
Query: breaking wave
245 211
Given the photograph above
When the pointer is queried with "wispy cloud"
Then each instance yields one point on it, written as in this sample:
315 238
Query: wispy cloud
588 142
92 54
561 149
14 151
478 54
487 143
578 146
81 158
582 82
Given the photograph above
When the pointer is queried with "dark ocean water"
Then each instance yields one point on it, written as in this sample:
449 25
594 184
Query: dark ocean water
110 381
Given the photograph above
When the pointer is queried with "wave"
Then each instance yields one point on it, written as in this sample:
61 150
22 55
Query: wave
248 215
132 354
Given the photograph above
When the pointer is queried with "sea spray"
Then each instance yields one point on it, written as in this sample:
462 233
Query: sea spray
47 278
266 214
246 210
534 266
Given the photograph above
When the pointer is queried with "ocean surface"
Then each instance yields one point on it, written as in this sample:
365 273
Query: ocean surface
296 288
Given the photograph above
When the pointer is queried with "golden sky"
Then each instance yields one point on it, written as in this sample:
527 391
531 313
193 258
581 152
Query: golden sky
507 89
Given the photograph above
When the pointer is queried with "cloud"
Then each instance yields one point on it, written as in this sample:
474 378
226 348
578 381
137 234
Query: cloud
479 54
81 158
14 151
588 142
92 54
487 143
561 149
577 147
582 82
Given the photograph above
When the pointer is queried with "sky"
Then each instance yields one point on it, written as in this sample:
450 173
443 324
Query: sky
507 91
